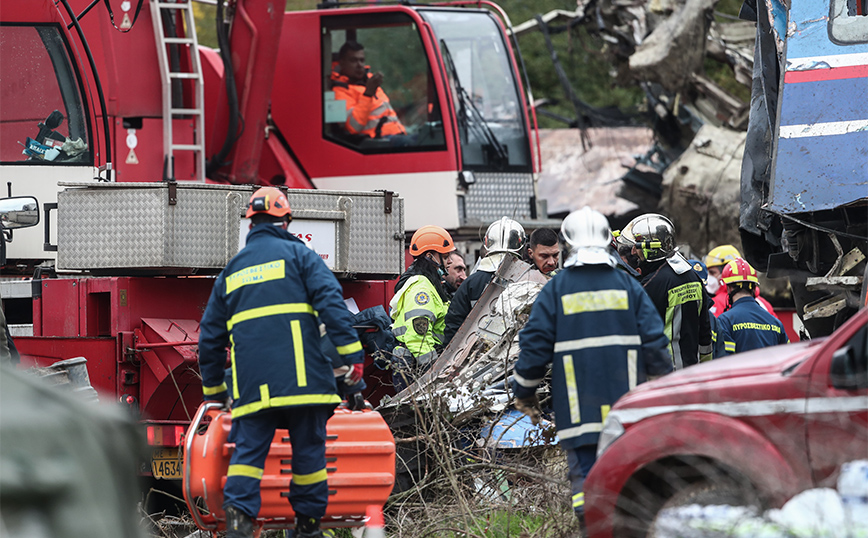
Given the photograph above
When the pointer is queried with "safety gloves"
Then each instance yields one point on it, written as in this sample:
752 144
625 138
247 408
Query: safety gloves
355 374
530 407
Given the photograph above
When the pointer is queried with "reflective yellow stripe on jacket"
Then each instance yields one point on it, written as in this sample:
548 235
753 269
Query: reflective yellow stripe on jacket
271 310
267 402
208 391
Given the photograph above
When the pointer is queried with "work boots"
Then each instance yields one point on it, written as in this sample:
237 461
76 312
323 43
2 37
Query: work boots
238 524
307 527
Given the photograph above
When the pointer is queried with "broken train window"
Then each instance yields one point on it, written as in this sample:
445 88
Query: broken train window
848 22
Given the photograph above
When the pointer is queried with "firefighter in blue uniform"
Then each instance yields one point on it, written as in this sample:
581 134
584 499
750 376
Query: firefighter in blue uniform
267 305
675 289
746 325
602 336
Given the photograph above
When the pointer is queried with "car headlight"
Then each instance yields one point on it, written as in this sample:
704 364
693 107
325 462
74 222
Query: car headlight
612 429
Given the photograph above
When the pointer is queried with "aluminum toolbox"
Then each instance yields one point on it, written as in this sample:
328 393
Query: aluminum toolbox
188 228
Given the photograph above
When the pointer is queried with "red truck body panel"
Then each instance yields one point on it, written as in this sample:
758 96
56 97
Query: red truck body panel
139 336
772 416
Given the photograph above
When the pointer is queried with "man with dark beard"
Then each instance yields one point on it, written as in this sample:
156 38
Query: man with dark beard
369 111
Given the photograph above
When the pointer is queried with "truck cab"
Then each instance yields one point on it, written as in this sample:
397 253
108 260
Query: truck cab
452 77
47 119
755 428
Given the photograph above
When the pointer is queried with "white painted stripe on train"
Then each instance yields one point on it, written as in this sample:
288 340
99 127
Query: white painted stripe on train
825 62
823 129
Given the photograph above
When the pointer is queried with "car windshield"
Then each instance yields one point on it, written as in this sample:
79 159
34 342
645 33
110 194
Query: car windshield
42 119
484 89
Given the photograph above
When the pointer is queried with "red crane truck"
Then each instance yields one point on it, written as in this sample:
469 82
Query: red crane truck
158 142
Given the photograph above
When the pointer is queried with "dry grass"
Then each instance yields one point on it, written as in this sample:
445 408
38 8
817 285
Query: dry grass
451 484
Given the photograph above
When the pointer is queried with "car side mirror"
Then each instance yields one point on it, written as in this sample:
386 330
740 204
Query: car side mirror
19 212
849 369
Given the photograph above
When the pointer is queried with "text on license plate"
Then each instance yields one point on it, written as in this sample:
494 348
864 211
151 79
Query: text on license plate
167 463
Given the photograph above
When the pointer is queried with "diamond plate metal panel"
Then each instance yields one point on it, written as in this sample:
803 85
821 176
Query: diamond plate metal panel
369 240
132 226
127 226
495 195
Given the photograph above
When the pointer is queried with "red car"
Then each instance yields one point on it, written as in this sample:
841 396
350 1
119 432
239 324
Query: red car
755 428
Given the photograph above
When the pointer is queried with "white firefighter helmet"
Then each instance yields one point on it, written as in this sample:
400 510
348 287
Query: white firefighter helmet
504 235
587 236
653 236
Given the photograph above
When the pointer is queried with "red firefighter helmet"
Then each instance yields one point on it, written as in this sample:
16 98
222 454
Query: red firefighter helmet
268 201
431 238
738 270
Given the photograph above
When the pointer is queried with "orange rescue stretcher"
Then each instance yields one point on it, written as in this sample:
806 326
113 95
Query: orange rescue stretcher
360 456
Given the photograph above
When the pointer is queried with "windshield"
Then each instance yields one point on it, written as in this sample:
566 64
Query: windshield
42 119
484 89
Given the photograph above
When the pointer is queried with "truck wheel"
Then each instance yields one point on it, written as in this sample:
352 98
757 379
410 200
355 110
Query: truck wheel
719 492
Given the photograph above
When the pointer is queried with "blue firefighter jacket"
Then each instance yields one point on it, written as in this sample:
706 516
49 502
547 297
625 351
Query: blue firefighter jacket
747 325
267 304
602 335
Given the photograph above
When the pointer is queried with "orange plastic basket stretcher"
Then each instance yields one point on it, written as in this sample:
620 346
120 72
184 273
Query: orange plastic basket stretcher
360 456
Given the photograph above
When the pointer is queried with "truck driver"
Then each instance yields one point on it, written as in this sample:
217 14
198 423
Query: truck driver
369 111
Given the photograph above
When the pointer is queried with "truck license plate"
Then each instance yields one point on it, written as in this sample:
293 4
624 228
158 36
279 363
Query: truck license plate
167 463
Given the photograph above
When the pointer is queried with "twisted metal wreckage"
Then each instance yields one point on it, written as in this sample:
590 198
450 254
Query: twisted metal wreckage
692 165
470 379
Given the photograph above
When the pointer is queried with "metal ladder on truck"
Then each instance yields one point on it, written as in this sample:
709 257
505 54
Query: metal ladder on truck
188 53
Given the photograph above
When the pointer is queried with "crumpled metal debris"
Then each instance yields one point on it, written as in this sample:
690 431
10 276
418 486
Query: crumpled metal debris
665 43
472 373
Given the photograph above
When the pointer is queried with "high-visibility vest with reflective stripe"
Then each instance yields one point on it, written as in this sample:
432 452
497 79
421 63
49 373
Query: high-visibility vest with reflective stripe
418 298
371 116
267 305
602 336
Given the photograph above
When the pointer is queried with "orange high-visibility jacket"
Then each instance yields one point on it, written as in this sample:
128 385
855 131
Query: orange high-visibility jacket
371 116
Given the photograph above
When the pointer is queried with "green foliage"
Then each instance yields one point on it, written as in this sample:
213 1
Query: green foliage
722 75
581 54
206 26
729 8
500 523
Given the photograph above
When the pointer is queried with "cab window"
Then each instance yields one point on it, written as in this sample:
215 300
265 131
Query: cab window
378 92
42 118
